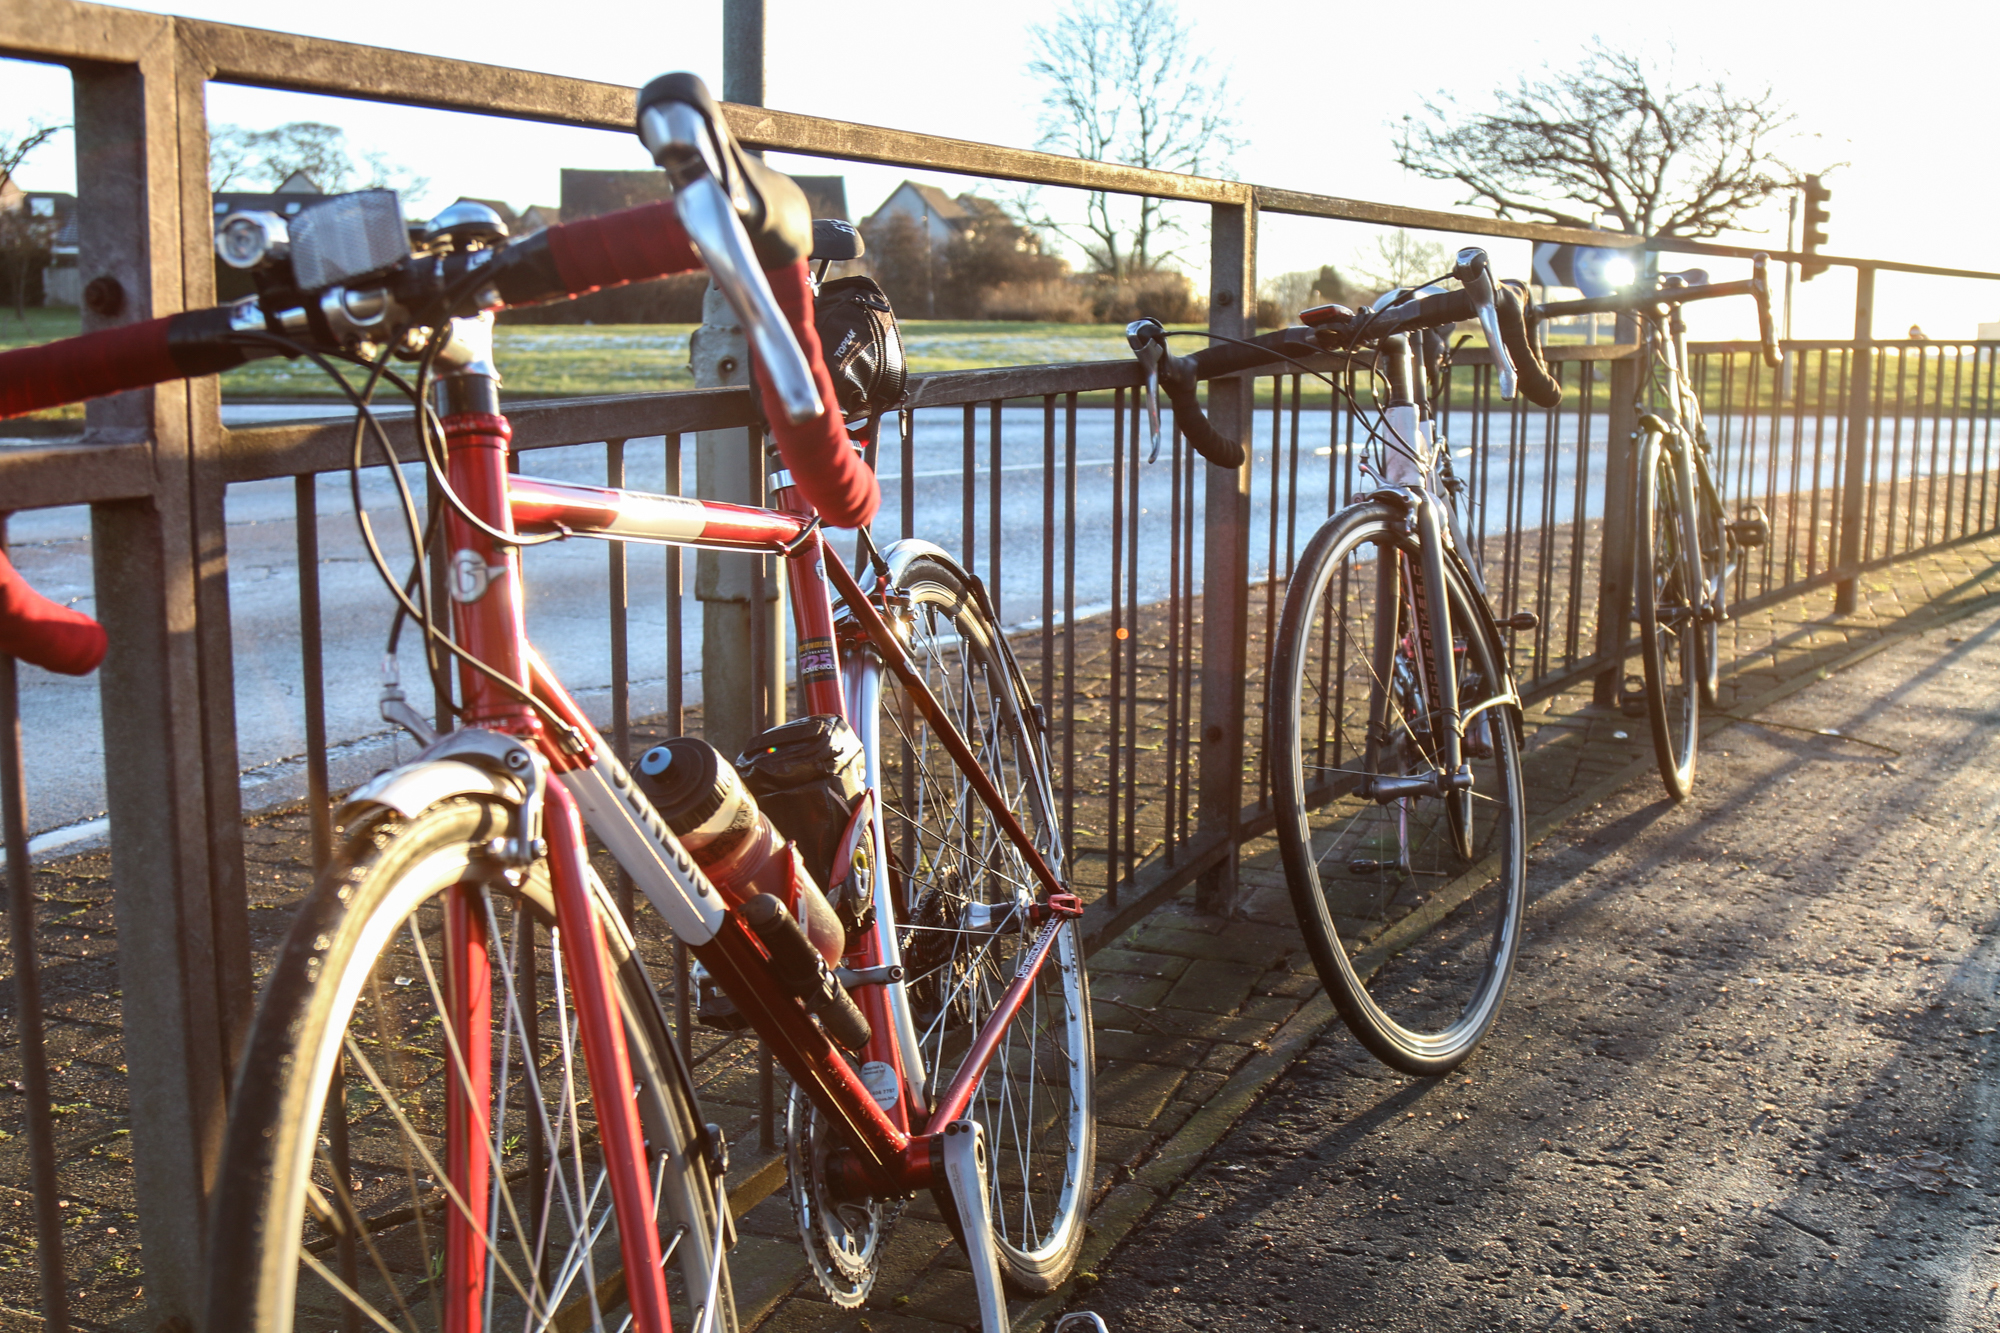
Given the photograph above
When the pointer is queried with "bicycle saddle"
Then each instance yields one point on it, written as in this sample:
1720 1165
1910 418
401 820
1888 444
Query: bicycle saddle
835 240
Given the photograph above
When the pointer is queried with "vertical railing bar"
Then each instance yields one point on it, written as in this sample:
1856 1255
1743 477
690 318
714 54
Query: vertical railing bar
28 1013
969 486
994 525
1112 828
1271 568
1070 689
1951 483
1139 627
312 669
1992 358
677 722
1047 692
907 461
1170 752
1799 459
1190 719
618 590
1586 389
1819 461
1768 562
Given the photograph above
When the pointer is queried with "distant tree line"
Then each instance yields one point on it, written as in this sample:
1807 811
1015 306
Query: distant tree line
995 267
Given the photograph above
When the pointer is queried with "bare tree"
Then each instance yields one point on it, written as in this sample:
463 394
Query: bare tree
245 158
1125 83
24 238
1610 139
1401 259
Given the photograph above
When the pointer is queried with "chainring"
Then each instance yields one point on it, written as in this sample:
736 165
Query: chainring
843 1241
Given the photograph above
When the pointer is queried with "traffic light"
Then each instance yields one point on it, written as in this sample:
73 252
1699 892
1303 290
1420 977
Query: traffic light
1814 235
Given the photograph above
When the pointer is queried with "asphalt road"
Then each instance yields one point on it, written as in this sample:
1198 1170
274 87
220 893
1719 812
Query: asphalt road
1745 1077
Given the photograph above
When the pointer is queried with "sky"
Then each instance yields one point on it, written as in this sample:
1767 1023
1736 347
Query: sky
1318 91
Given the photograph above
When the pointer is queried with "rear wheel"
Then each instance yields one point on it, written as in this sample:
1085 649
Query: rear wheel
963 893
340 1168
1411 906
1667 593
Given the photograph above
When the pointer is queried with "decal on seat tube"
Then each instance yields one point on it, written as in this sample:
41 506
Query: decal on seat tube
640 841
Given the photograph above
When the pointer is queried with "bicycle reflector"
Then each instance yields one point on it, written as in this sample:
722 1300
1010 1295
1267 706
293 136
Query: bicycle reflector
348 237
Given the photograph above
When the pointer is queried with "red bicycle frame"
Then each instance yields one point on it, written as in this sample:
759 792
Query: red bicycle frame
891 1155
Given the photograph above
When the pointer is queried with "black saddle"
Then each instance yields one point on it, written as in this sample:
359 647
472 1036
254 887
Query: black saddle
835 240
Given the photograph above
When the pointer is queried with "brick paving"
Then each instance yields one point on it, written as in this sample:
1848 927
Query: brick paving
1195 1014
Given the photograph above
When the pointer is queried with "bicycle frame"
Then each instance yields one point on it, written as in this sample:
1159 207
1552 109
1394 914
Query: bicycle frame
895 1149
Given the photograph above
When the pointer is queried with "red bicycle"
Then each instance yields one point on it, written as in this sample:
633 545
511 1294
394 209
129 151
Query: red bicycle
460 1106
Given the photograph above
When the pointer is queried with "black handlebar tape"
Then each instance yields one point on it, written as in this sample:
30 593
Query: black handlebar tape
1628 301
131 356
1177 377
1530 371
1426 312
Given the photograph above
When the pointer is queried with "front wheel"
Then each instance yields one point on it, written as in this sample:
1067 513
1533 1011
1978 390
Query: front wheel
1667 592
962 893
1411 906
347 1160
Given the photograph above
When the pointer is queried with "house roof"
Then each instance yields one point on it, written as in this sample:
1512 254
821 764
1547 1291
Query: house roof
298 183
939 203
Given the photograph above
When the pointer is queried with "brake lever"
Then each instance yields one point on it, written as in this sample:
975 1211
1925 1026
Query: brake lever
681 141
1148 340
1472 272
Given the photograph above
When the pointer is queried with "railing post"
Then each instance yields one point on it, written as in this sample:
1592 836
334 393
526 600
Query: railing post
1614 580
170 763
1225 595
1860 411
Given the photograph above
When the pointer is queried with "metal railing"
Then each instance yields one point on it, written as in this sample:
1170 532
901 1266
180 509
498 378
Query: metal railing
1141 594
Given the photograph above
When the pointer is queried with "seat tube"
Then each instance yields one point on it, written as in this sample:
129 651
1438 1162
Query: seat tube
1442 661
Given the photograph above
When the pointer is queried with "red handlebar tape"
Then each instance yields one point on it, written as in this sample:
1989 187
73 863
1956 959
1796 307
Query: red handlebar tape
822 459
628 246
130 356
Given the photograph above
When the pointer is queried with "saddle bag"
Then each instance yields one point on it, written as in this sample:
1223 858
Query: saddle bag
808 776
862 346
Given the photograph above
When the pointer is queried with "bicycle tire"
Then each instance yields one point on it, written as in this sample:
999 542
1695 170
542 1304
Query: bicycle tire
953 871
1715 571
354 977
1666 571
1369 924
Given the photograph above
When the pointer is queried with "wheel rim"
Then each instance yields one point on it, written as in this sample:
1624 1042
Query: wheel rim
1672 648
963 889
1419 898
548 1236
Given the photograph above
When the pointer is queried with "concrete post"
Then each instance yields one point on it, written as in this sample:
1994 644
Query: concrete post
736 696
1225 596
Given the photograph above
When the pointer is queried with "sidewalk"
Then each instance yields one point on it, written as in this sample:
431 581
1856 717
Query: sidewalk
1195 1015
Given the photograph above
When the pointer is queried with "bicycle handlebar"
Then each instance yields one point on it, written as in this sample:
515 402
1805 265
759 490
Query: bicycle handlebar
761 267
1500 308
1756 286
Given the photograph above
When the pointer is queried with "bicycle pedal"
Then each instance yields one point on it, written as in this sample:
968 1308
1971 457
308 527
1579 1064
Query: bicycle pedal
1361 865
1521 620
1751 528
1632 698
712 1008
